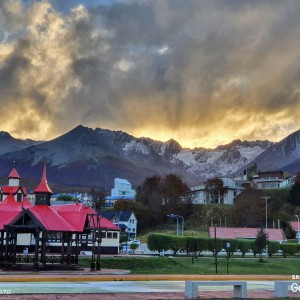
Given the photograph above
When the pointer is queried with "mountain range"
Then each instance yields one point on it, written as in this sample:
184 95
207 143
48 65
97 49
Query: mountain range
85 157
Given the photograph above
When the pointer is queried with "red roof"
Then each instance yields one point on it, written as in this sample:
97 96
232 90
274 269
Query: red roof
50 218
13 190
274 234
294 225
10 204
10 209
43 187
14 174
76 214
9 189
69 217
6 217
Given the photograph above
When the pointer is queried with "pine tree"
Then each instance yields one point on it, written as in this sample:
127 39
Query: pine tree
261 242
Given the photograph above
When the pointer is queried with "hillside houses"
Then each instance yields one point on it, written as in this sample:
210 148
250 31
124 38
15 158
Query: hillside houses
250 178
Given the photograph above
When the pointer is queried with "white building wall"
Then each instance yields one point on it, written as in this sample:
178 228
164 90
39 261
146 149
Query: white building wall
199 196
13 182
122 188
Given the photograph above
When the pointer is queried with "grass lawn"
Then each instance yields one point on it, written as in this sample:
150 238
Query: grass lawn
202 265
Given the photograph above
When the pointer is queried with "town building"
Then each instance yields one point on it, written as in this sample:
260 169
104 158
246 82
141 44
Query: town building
250 178
122 190
125 220
41 228
274 234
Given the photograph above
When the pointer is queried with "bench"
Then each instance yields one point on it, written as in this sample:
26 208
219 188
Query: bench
282 288
191 288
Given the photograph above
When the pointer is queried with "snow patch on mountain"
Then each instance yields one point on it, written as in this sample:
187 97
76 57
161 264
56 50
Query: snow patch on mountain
222 161
135 146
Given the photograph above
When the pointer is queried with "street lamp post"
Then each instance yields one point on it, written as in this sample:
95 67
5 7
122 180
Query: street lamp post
298 233
220 226
266 199
175 217
182 223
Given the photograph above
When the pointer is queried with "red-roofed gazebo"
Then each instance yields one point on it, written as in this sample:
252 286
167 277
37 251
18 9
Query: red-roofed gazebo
63 229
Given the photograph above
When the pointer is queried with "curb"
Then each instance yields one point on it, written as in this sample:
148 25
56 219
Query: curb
56 277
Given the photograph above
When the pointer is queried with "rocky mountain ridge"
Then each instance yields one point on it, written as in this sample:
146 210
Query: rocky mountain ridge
94 157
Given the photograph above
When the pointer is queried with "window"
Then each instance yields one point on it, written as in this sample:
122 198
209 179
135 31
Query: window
19 197
109 235
115 235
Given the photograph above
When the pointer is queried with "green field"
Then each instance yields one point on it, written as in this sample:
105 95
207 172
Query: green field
202 265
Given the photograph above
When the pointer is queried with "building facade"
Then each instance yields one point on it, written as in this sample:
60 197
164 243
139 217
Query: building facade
122 190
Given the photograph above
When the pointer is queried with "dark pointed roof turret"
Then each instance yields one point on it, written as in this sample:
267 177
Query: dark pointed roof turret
43 187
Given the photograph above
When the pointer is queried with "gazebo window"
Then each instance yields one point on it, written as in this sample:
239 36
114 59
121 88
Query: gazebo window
19 197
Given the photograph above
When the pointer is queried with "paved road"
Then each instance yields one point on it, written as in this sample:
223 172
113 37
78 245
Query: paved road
114 287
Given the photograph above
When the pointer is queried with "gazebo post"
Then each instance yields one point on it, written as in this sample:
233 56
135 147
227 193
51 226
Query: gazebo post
36 252
93 251
63 248
76 248
14 246
69 248
6 256
99 241
2 246
43 250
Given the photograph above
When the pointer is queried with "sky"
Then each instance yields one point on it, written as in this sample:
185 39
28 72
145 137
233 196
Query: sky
203 72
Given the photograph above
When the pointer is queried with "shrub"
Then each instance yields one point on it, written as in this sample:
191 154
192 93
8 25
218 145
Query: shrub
202 244
273 247
233 246
159 242
214 245
244 246
177 244
289 249
191 245
134 246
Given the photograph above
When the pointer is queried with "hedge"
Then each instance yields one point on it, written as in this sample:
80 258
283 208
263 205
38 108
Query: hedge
289 249
195 245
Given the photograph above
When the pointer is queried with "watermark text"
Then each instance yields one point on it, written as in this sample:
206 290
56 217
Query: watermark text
5 291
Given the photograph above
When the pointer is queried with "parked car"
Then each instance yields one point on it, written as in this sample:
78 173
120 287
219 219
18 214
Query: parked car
136 242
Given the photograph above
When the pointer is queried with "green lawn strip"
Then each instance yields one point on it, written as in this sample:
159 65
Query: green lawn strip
187 265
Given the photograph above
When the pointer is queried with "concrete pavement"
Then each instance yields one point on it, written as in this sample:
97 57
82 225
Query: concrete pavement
121 275
119 284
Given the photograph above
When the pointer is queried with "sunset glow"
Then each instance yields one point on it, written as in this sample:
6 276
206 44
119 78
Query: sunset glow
200 72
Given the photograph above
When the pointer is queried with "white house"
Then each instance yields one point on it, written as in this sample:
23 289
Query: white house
122 190
200 196
125 219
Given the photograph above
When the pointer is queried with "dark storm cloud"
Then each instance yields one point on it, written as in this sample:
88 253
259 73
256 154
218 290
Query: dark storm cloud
202 72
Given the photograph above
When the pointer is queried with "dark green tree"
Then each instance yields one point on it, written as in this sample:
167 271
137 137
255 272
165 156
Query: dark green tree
261 242
249 209
98 198
174 194
294 195
215 190
149 193
164 195
66 198
146 218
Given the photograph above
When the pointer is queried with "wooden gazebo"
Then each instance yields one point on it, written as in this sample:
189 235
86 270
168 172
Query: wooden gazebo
70 227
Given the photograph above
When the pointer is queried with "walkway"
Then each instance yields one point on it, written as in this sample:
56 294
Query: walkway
119 284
